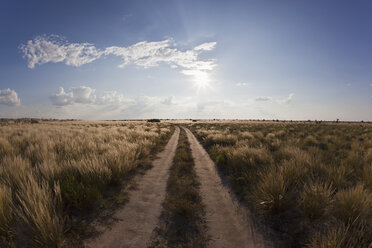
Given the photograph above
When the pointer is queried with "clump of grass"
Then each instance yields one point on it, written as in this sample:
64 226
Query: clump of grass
6 148
181 223
340 176
294 172
310 141
351 204
6 214
247 156
246 135
271 192
367 177
316 199
13 171
220 139
341 236
40 208
369 155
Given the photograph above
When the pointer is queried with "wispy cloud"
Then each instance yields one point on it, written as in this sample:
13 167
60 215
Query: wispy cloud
86 95
206 46
9 97
241 84
168 100
54 49
287 99
263 98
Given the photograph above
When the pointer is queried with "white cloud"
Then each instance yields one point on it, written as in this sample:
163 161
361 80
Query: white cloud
263 98
241 84
111 98
145 54
9 97
86 95
83 94
61 98
206 46
168 100
287 99
54 49
211 105
151 54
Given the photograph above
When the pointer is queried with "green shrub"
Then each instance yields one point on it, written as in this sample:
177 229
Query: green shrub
77 194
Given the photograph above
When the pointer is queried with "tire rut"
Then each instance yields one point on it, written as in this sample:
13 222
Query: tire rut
138 218
229 224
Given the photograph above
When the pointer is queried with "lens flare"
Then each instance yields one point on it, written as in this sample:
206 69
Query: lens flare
201 80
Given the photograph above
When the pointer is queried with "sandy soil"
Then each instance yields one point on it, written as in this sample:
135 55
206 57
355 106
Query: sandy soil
229 224
138 218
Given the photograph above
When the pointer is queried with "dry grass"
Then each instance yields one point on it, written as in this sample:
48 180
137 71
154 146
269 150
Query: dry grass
6 213
50 171
310 182
182 221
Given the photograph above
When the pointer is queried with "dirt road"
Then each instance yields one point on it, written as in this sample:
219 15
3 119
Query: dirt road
229 225
138 218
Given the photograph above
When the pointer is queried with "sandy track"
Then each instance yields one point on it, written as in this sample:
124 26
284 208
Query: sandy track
228 223
138 218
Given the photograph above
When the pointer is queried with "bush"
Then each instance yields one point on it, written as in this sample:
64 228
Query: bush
78 195
153 120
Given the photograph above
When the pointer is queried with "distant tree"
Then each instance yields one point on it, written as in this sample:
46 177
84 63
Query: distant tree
153 120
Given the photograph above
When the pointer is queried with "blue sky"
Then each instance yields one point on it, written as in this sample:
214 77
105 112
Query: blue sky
186 59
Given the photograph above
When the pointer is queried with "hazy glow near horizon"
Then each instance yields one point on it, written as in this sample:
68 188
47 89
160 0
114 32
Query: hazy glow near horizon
186 59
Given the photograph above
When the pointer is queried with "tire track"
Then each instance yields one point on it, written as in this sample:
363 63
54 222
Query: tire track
138 218
229 224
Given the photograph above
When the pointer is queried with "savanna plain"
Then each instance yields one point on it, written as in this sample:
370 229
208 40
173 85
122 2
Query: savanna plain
304 184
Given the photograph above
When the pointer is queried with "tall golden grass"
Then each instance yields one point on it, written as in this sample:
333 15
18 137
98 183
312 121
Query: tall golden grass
49 169
310 182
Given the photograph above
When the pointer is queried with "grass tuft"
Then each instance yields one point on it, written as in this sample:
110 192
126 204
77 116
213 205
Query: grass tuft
315 199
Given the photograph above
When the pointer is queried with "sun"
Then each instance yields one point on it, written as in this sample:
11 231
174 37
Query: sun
201 80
